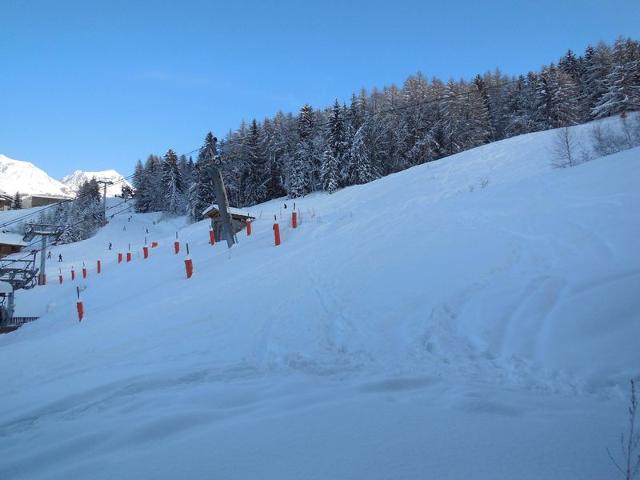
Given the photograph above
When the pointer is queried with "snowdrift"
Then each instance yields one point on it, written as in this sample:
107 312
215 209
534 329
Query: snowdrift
472 317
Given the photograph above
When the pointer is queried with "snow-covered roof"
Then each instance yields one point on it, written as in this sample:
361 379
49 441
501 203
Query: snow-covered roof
12 238
231 210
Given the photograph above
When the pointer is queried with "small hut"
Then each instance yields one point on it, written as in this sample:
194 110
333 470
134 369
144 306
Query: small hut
239 219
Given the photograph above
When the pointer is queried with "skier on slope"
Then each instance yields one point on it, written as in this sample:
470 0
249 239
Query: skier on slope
110 245
60 257
49 255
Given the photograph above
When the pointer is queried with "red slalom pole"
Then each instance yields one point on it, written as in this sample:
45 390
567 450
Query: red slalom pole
294 219
176 245
119 258
84 271
60 276
212 237
276 232
188 264
248 227
73 274
145 252
79 306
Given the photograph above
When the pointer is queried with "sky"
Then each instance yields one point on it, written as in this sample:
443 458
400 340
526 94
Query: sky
99 84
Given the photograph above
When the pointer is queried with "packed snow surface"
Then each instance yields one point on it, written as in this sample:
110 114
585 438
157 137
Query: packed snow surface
476 317
75 180
26 178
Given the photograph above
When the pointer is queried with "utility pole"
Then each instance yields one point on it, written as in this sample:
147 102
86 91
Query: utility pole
42 276
221 193
223 204
44 230
104 184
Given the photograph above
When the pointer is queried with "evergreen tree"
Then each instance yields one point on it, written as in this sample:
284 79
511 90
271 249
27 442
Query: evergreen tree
336 151
362 170
301 174
82 217
202 192
622 92
17 202
172 183
141 187
258 175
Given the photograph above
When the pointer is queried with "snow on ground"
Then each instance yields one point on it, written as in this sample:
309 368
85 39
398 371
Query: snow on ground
476 317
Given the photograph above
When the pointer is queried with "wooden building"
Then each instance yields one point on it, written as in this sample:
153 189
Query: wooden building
11 242
239 219
5 201
30 201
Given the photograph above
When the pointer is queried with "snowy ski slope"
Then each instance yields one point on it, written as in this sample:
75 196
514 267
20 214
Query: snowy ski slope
482 326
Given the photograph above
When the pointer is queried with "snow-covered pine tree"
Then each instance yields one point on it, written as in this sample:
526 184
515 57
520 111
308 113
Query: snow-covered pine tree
574 66
336 150
202 192
278 149
256 161
300 171
173 185
520 106
140 186
362 169
622 92
17 202
84 215
597 66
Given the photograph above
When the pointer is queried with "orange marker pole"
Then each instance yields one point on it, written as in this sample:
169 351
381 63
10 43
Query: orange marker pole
73 274
248 227
119 258
188 264
79 306
212 237
60 276
145 252
276 232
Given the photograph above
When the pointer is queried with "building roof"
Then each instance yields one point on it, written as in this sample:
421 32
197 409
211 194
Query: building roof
12 238
48 195
232 211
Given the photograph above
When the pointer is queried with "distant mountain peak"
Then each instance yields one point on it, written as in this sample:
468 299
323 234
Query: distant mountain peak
74 180
27 178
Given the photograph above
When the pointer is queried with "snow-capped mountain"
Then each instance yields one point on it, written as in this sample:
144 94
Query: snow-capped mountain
26 178
77 178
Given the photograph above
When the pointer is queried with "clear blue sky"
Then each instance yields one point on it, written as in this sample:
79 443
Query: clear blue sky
96 84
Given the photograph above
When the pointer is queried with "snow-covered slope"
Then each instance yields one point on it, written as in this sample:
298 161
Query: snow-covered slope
26 178
77 178
476 317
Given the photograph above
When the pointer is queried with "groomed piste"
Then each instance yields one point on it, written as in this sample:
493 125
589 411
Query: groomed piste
476 317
